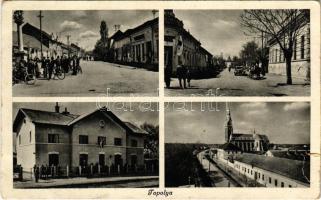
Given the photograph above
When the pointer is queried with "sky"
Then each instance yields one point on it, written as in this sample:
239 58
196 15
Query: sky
283 123
83 26
218 30
137 113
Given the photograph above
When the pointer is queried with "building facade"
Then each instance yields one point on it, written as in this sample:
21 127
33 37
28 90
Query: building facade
63 139
246 142
301 53
51 47
181 45
138 45
272 171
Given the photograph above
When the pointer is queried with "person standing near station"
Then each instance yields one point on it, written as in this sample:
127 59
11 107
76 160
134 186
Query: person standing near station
51 67
36 173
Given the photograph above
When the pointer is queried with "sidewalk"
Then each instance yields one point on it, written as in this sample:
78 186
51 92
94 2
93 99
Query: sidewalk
81 181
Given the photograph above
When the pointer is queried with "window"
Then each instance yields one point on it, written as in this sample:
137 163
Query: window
117 141
248 170
19 139
302 46
101 141
24 121
282 184
30 136
270 180
53 138
276 182
251 172
83 139
263 177
134 143
259 175
290 186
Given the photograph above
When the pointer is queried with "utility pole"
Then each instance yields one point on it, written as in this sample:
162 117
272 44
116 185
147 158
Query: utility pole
154 13
40 16
68 36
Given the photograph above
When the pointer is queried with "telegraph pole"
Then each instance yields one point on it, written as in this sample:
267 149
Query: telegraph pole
68 36
154 13
40 16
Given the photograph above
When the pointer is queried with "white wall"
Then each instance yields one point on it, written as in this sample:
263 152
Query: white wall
26 147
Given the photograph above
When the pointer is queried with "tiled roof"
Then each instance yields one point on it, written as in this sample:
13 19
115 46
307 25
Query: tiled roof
120 35
294 169
135 128
47 117
28 41
241 136
288 154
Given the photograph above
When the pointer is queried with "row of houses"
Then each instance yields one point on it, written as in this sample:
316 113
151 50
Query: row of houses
32 38
137 46
263 170
182 47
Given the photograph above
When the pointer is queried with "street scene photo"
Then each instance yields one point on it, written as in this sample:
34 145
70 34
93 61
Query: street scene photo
248 144
237 52
85 145
85 53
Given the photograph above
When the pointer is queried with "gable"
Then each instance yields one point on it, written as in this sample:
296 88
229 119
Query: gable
97 120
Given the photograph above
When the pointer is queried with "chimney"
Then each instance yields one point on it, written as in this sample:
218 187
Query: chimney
57 107
65 112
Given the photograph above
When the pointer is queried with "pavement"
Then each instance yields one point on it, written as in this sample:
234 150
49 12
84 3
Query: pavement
219 178
230 85
97 76
132 181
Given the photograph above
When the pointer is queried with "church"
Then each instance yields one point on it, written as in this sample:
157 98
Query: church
246 142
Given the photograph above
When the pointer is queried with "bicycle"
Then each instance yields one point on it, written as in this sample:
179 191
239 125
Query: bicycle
59 73
28 78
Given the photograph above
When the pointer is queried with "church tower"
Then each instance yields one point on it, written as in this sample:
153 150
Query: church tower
228 124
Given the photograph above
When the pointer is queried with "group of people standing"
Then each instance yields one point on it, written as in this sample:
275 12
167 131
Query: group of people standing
46 66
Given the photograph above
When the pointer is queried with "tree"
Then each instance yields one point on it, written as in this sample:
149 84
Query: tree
104 34
102 48
283 26
151 143
249 54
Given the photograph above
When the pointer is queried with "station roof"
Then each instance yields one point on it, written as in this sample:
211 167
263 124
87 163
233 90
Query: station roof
43 117
67 119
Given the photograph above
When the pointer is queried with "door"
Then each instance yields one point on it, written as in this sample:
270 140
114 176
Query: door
118 160
102 159
83 159
133 160
53 159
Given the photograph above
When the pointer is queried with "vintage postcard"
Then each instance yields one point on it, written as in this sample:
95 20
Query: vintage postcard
160 100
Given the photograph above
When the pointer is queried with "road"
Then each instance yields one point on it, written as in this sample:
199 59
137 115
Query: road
219 178
230 85
96 78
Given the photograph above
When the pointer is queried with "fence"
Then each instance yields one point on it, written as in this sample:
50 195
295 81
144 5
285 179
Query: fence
47 172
